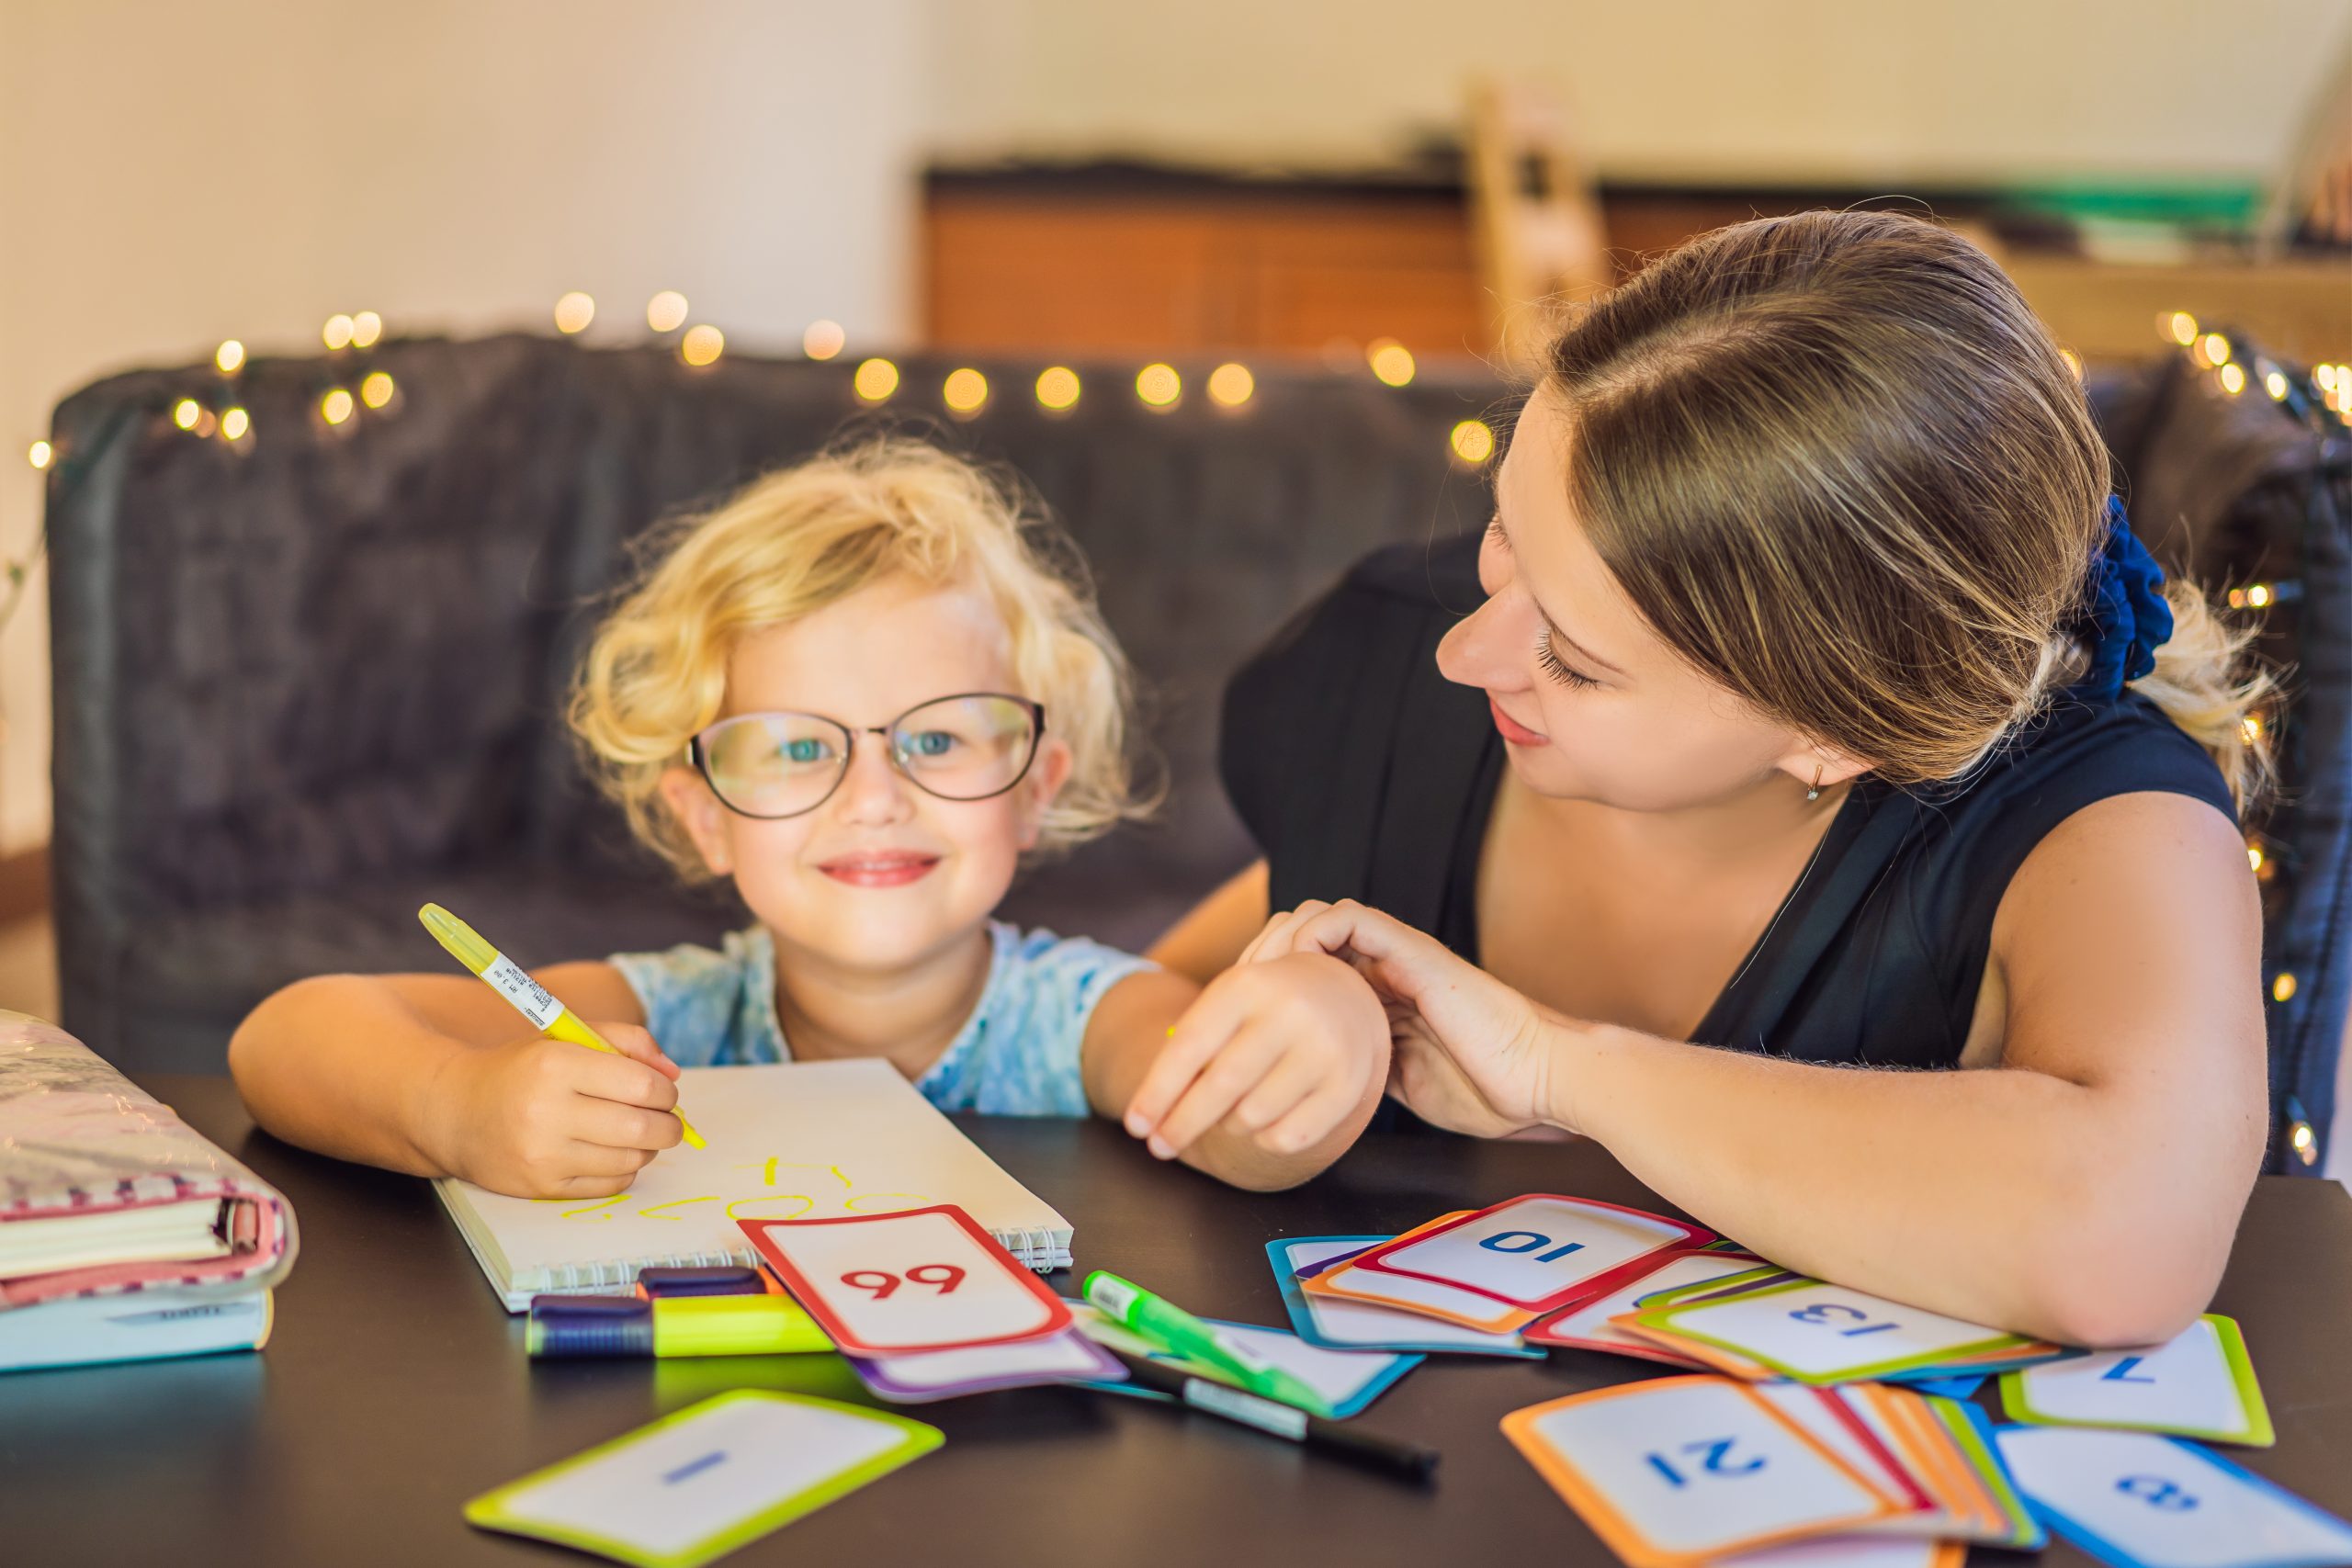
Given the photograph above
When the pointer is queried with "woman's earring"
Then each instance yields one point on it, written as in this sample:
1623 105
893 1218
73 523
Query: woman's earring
1813 791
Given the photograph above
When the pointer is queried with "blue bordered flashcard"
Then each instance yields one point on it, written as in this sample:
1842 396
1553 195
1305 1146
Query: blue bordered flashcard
1346 1381
2142 1500
1337 1324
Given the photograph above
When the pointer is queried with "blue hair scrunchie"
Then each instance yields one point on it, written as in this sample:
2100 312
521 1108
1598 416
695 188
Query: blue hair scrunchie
2125 617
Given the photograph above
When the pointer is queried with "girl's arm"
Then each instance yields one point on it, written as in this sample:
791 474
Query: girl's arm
438 1075
2086 1189
1286 1096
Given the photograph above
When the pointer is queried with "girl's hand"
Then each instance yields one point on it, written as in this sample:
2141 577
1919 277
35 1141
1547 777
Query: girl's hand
1471 1054
1285 1051
540 1118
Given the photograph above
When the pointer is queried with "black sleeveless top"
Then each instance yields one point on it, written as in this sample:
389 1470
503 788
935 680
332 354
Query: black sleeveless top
1363 773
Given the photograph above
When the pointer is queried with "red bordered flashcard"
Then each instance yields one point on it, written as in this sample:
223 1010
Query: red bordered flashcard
1539 1252
915 1280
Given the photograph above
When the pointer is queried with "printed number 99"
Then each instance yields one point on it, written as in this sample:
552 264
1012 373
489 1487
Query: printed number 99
942 1277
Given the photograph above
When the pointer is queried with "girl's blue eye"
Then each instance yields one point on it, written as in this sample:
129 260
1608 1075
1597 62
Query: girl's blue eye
804 750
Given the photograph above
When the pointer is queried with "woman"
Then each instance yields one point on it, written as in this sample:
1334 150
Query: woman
1819 725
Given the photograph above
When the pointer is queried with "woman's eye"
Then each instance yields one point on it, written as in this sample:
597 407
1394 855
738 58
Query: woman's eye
1551 664
932 743
804 750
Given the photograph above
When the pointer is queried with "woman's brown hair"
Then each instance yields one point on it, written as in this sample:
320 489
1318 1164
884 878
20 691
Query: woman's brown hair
1839 464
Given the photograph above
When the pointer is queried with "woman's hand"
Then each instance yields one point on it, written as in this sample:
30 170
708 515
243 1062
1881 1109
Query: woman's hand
1284 1052
1470 1053
540 1118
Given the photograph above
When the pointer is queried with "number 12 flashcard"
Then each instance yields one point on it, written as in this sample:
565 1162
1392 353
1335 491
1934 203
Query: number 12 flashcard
916 1280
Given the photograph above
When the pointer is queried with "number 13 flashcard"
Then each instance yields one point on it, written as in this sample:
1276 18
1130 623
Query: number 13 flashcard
916 1280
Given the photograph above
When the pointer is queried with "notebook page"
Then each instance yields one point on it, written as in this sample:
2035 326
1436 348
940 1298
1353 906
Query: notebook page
800 1140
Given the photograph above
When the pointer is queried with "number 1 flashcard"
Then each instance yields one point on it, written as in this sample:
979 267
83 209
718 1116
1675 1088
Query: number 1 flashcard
914 1279
2199 1386
1683 1470
1539 1252
1820 1333
2141 1500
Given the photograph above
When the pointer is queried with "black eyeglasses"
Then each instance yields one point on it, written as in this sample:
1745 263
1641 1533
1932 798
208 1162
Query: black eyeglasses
771 765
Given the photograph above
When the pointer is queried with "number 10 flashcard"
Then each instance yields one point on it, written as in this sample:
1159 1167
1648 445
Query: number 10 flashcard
916 1280
1539 1252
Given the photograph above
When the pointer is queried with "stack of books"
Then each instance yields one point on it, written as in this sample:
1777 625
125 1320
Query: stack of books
124 1235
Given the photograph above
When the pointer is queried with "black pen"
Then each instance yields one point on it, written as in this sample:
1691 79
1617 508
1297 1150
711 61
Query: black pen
1293 1424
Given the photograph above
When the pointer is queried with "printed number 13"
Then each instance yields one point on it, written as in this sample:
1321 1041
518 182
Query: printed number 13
942 1277
1714 1450
1820 1312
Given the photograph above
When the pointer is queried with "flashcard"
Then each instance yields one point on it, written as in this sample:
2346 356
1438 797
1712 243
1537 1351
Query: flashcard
1822 1413
1683 1470
2199 1386
1337 1325
1957 1509
699 1483
1586 1326
1750 1279
1340 1279
2144 1501
912 1280
1947 1388
1539 1252
1853 1551
1821 1333
1344 1380
1972 1444
926 1375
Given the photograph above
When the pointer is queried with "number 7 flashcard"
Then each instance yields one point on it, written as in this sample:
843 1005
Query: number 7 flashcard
1685 1469
2199 1386
915 1280
1539 1252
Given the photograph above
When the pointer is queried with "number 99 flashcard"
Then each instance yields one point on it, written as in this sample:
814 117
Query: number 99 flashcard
916 1279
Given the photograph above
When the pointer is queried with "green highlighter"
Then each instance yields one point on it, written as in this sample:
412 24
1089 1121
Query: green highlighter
1168 1325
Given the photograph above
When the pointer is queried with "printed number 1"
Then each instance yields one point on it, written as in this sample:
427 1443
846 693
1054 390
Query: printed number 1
2121 1371
943 1277
1496 1244
1819 1314
2157 1493
1714 1449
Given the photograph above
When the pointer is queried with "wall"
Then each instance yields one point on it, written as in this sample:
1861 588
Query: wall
174 176
1839 90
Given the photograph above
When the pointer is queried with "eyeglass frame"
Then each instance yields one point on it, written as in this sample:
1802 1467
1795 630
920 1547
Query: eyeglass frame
698 756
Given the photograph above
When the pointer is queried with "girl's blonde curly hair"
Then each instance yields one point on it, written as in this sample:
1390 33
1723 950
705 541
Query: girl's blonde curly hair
793 542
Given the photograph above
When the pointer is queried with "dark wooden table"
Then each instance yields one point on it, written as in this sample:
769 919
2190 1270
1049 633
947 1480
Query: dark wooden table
395 1388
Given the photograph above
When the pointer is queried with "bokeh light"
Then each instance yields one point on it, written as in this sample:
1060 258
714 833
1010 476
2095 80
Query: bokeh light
964 390
823 340
1231 385
376 388
1391 361
575 312
666 311
230 357
702 344
366 328
336 333
875 380
1057 388
336 406
1472 440
1158 386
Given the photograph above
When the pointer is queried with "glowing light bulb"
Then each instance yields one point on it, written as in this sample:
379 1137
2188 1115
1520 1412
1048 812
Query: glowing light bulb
1158 386
186 413
875 380
229 357
573 313
235 424
822 339
40 454
666 311
1231 385
366 328
964 390
376 388
2179 326
1472 440
1057 388
1391 361
702 344
336 406
337 331
2233 380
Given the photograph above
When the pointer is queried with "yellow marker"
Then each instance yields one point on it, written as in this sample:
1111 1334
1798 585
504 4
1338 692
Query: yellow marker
533 1000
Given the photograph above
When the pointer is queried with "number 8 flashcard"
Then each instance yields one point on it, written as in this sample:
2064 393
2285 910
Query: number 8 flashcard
916 1280
1539 1252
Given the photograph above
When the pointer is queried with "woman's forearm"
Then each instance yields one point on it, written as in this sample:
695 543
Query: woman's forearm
2002 1196
344 1065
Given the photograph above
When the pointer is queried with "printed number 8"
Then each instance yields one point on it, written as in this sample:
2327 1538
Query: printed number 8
2157 1493
945 1276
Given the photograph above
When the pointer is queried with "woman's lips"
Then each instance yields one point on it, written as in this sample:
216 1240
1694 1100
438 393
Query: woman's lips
1516 733
886 869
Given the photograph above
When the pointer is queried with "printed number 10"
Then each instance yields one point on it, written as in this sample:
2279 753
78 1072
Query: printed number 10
1498 1242
943 1277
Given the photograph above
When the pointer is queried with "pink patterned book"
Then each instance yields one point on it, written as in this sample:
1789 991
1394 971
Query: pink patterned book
104 1189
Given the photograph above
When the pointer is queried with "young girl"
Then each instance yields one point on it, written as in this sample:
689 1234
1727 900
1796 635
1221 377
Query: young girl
862 690
1817 799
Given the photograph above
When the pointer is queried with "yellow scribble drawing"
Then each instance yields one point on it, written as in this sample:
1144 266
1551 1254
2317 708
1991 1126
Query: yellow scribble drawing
913 1201
591 1211
845 1181
805 1203
653 1211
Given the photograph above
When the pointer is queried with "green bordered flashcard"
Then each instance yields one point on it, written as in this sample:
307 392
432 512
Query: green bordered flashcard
1818 1333
2200 1385
699 1483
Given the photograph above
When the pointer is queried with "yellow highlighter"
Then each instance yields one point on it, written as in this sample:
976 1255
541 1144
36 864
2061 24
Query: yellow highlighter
533 1000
